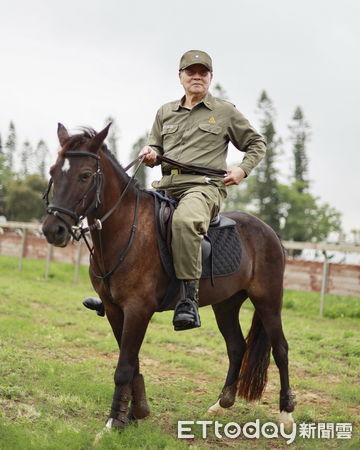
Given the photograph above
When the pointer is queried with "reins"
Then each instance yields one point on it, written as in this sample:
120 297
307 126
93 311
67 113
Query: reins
78 232
98 225
98 222
195 168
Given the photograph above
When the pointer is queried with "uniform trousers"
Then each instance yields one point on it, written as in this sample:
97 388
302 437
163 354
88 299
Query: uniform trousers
197 206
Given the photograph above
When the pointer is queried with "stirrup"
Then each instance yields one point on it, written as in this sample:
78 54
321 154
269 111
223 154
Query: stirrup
186 315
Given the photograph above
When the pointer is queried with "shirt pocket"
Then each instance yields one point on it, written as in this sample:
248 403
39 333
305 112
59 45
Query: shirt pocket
208 134
169 136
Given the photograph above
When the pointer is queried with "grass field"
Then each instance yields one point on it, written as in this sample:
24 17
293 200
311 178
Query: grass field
57 362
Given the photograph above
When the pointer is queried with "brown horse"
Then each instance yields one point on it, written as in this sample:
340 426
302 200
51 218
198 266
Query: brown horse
127 273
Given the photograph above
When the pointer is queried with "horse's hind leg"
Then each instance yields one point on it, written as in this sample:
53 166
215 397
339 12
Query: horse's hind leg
271 319
227 318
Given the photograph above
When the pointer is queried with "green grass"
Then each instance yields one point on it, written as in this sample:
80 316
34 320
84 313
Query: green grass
308 304
57 362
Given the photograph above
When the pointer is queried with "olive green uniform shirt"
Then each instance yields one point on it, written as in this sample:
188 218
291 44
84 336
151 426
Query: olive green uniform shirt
201 135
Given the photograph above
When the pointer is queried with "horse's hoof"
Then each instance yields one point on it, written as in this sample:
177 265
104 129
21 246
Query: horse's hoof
286 419
216 409
228 395
109 424
116 424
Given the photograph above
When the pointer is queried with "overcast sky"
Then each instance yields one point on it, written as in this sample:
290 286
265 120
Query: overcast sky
78 62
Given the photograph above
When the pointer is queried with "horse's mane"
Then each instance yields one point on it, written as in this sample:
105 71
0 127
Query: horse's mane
77 140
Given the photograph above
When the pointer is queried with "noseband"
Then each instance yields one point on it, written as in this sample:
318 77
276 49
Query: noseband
59 211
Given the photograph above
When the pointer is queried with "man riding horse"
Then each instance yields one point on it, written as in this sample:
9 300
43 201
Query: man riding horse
196 130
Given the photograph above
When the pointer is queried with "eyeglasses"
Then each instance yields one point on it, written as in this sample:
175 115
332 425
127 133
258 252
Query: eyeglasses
191 72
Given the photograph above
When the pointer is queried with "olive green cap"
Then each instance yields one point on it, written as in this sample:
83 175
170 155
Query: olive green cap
195 57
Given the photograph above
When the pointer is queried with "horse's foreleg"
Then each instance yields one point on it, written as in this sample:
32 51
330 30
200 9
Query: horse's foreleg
139 406
128 382
227 318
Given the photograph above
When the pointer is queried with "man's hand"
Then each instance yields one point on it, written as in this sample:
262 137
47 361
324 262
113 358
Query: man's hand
150 155
234 176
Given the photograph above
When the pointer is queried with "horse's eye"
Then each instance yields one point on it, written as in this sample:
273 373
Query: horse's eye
85 176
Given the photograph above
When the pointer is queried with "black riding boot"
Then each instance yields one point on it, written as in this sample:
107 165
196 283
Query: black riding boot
96 304
186 314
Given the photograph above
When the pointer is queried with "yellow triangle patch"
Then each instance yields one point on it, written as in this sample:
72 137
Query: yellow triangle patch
212 120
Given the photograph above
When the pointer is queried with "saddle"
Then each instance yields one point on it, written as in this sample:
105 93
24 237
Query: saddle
221 248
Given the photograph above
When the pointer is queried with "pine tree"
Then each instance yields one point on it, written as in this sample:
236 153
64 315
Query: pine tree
10 147
113 135
304 217
42 153
299 137
26 159
141 174
266 187
4 179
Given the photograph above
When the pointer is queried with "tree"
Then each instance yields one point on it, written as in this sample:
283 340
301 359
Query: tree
42 153
239 198
304 217
5 177
141 174
26 157
113 135
10 147
266 190
299 137
24 199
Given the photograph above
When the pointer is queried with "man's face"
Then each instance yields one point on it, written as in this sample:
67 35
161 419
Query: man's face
195 79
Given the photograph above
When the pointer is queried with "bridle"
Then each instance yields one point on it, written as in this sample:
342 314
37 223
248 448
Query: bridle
77 231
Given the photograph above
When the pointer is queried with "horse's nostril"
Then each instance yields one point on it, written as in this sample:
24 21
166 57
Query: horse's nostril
60 232
56 234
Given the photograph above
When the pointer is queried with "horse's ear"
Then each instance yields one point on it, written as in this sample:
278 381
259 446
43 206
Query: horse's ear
96 142
62 133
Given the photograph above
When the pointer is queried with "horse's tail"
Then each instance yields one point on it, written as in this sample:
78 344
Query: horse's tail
254 366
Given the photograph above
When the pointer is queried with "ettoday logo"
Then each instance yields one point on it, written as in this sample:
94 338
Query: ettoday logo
268 430
233 430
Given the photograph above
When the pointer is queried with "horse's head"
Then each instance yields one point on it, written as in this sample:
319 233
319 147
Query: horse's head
77 179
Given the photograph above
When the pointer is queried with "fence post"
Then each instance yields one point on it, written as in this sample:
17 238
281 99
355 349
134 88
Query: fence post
324 285
48 260
22 248
77 264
